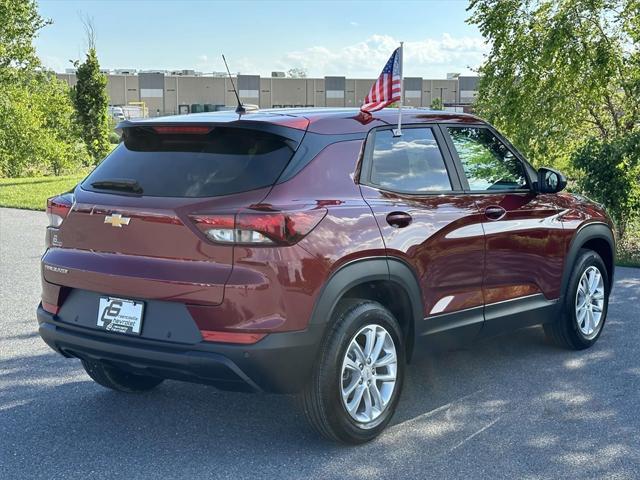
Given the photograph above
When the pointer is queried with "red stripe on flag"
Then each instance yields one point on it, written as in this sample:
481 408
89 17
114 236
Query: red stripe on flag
386 89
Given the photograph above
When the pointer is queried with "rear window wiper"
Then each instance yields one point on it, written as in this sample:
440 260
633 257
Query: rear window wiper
121 184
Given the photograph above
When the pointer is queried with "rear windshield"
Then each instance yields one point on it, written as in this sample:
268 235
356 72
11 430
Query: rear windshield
226 160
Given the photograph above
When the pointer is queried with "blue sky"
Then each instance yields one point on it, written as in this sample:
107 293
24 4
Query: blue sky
326 38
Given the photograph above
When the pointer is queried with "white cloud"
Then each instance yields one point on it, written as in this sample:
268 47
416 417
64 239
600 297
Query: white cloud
354 24
241 64
54 63
431 57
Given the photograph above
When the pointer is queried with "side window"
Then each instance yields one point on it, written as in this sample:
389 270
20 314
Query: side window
410 163
488 164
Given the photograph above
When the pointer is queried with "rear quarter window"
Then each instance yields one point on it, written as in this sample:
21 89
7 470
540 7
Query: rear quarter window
224 161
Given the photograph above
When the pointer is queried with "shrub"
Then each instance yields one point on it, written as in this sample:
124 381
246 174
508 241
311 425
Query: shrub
38 134
436 104
609 172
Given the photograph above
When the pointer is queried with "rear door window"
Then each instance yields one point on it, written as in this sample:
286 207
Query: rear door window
411 163
224 161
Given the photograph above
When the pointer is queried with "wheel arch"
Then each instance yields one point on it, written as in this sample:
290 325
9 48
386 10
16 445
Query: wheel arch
594 236
388 281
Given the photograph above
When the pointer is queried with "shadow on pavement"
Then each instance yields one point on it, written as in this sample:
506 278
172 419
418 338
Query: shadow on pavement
512 406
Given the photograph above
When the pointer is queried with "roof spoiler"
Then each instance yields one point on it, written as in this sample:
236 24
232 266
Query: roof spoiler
248 121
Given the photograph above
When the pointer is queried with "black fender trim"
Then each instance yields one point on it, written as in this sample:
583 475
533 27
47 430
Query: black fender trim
359 272
403 275
362 271
589 231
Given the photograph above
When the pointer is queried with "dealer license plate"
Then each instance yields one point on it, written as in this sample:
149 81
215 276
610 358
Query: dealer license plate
120 315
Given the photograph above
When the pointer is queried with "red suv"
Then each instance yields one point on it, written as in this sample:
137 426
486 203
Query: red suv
314 252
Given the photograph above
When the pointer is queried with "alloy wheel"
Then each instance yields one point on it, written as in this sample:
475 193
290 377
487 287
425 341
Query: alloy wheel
590 301
369 373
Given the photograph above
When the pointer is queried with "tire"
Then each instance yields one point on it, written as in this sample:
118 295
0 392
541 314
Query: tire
322 398
116 379
570 331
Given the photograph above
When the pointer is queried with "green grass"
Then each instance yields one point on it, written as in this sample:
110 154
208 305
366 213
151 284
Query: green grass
31 193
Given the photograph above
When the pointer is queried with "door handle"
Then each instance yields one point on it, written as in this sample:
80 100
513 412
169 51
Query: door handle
399 219
494 212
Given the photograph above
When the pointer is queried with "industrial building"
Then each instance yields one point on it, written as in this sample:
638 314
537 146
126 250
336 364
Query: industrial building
186 91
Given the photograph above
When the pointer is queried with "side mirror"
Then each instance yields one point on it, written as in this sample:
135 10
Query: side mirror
550 181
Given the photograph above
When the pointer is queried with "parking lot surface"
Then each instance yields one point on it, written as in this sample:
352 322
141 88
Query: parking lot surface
509 407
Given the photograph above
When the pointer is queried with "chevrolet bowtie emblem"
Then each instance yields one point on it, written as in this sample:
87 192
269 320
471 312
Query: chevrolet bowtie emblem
117 220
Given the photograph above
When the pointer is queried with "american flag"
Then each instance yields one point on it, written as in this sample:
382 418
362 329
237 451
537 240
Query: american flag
386 89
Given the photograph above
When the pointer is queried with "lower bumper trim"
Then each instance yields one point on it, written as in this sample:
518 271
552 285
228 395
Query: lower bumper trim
279 363
206 367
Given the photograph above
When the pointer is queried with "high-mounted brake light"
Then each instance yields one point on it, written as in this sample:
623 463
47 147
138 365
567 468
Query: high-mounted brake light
260 228
58 208
182 130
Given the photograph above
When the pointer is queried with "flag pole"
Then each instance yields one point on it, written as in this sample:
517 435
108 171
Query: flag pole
398 132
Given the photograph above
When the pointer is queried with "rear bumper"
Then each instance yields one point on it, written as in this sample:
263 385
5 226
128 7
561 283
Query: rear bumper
279 363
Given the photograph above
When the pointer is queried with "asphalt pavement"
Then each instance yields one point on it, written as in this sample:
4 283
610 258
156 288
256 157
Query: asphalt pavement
509 407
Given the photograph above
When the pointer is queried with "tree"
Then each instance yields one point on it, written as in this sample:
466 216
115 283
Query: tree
19 25
297 72
92 101
38 134
562 80
436 104
559 72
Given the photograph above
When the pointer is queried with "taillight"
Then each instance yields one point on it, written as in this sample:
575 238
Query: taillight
260 228
58 208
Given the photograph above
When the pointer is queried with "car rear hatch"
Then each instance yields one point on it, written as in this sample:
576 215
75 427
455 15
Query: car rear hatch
132 227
